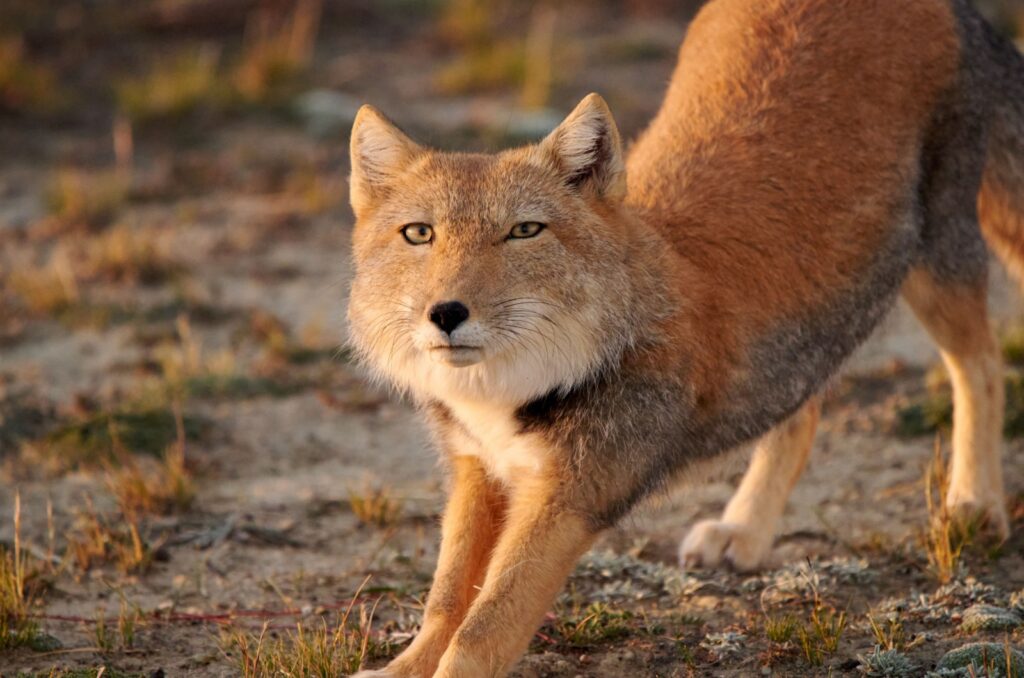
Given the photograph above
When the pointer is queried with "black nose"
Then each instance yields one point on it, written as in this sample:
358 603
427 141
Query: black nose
448 315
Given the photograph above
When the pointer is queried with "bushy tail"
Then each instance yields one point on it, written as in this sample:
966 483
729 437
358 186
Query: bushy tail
1001 202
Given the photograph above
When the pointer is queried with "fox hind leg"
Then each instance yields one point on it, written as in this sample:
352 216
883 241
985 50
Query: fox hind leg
743 536
956 316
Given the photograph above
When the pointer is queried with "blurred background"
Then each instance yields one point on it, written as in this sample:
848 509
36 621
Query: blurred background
176 415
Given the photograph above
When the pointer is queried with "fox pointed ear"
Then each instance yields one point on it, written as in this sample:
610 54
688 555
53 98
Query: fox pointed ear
587 150
378 151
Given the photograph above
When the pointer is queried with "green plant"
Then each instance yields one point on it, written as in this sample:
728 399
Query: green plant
592 625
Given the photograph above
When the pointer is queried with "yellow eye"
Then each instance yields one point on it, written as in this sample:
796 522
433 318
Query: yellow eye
418 234
527 229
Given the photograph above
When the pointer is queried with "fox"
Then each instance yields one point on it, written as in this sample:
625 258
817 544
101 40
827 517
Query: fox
583 328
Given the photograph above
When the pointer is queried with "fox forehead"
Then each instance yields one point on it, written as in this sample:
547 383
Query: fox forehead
475 191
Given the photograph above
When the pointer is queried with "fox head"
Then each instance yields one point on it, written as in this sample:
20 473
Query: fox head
489 276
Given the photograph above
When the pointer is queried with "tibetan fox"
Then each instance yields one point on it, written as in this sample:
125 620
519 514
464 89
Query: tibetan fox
582 326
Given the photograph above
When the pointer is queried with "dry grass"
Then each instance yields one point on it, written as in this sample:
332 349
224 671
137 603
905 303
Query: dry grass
98 540
320 651
889 633
946 535
25 85
17 628
276 51
146 487
47 290
86 199
129 255
375 506
173 88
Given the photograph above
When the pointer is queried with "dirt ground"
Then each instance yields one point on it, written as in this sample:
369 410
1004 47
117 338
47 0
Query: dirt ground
213 285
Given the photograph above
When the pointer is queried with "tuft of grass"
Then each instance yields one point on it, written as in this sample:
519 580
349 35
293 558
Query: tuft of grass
780 629
946 536
129 255
320 651
889 634
173 88
97 540
127 622
159 488
89 200
820 637
276 51
48 290
17 628
593 625
375 506
25 85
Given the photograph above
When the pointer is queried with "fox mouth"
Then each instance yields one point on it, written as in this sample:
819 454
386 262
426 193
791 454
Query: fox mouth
456 355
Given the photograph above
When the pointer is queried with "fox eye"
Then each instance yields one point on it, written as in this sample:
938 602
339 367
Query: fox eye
418 234
527 229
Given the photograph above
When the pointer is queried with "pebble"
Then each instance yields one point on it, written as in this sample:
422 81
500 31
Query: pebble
989 618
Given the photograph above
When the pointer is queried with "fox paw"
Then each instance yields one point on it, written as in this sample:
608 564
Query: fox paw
989 515
713 542
379 673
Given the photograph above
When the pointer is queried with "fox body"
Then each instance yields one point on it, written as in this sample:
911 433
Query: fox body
581 328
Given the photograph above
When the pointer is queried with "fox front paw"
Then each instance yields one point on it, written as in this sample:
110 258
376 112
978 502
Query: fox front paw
990 515
711 543
379 673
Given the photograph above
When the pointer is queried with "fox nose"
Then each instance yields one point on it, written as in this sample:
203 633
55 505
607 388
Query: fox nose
448 315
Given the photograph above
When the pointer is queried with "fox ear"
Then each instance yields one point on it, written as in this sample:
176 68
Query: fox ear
587 150
378 151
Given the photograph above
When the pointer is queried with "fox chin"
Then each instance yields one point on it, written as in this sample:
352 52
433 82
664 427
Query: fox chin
581 327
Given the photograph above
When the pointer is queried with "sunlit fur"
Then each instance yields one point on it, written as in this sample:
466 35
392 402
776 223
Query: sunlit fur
545 312
811 160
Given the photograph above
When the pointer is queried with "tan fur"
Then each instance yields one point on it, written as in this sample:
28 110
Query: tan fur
472 520
957 319
740 205
745 533
679 303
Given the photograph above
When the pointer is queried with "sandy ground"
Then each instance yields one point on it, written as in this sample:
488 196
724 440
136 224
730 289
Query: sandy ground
272 528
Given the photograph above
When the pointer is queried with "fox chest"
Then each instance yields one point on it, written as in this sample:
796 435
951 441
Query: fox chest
493 434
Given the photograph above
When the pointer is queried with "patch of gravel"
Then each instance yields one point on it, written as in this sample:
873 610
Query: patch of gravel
948 603
806 577
608 577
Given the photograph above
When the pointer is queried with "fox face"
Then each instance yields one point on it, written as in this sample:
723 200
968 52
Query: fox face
489 276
